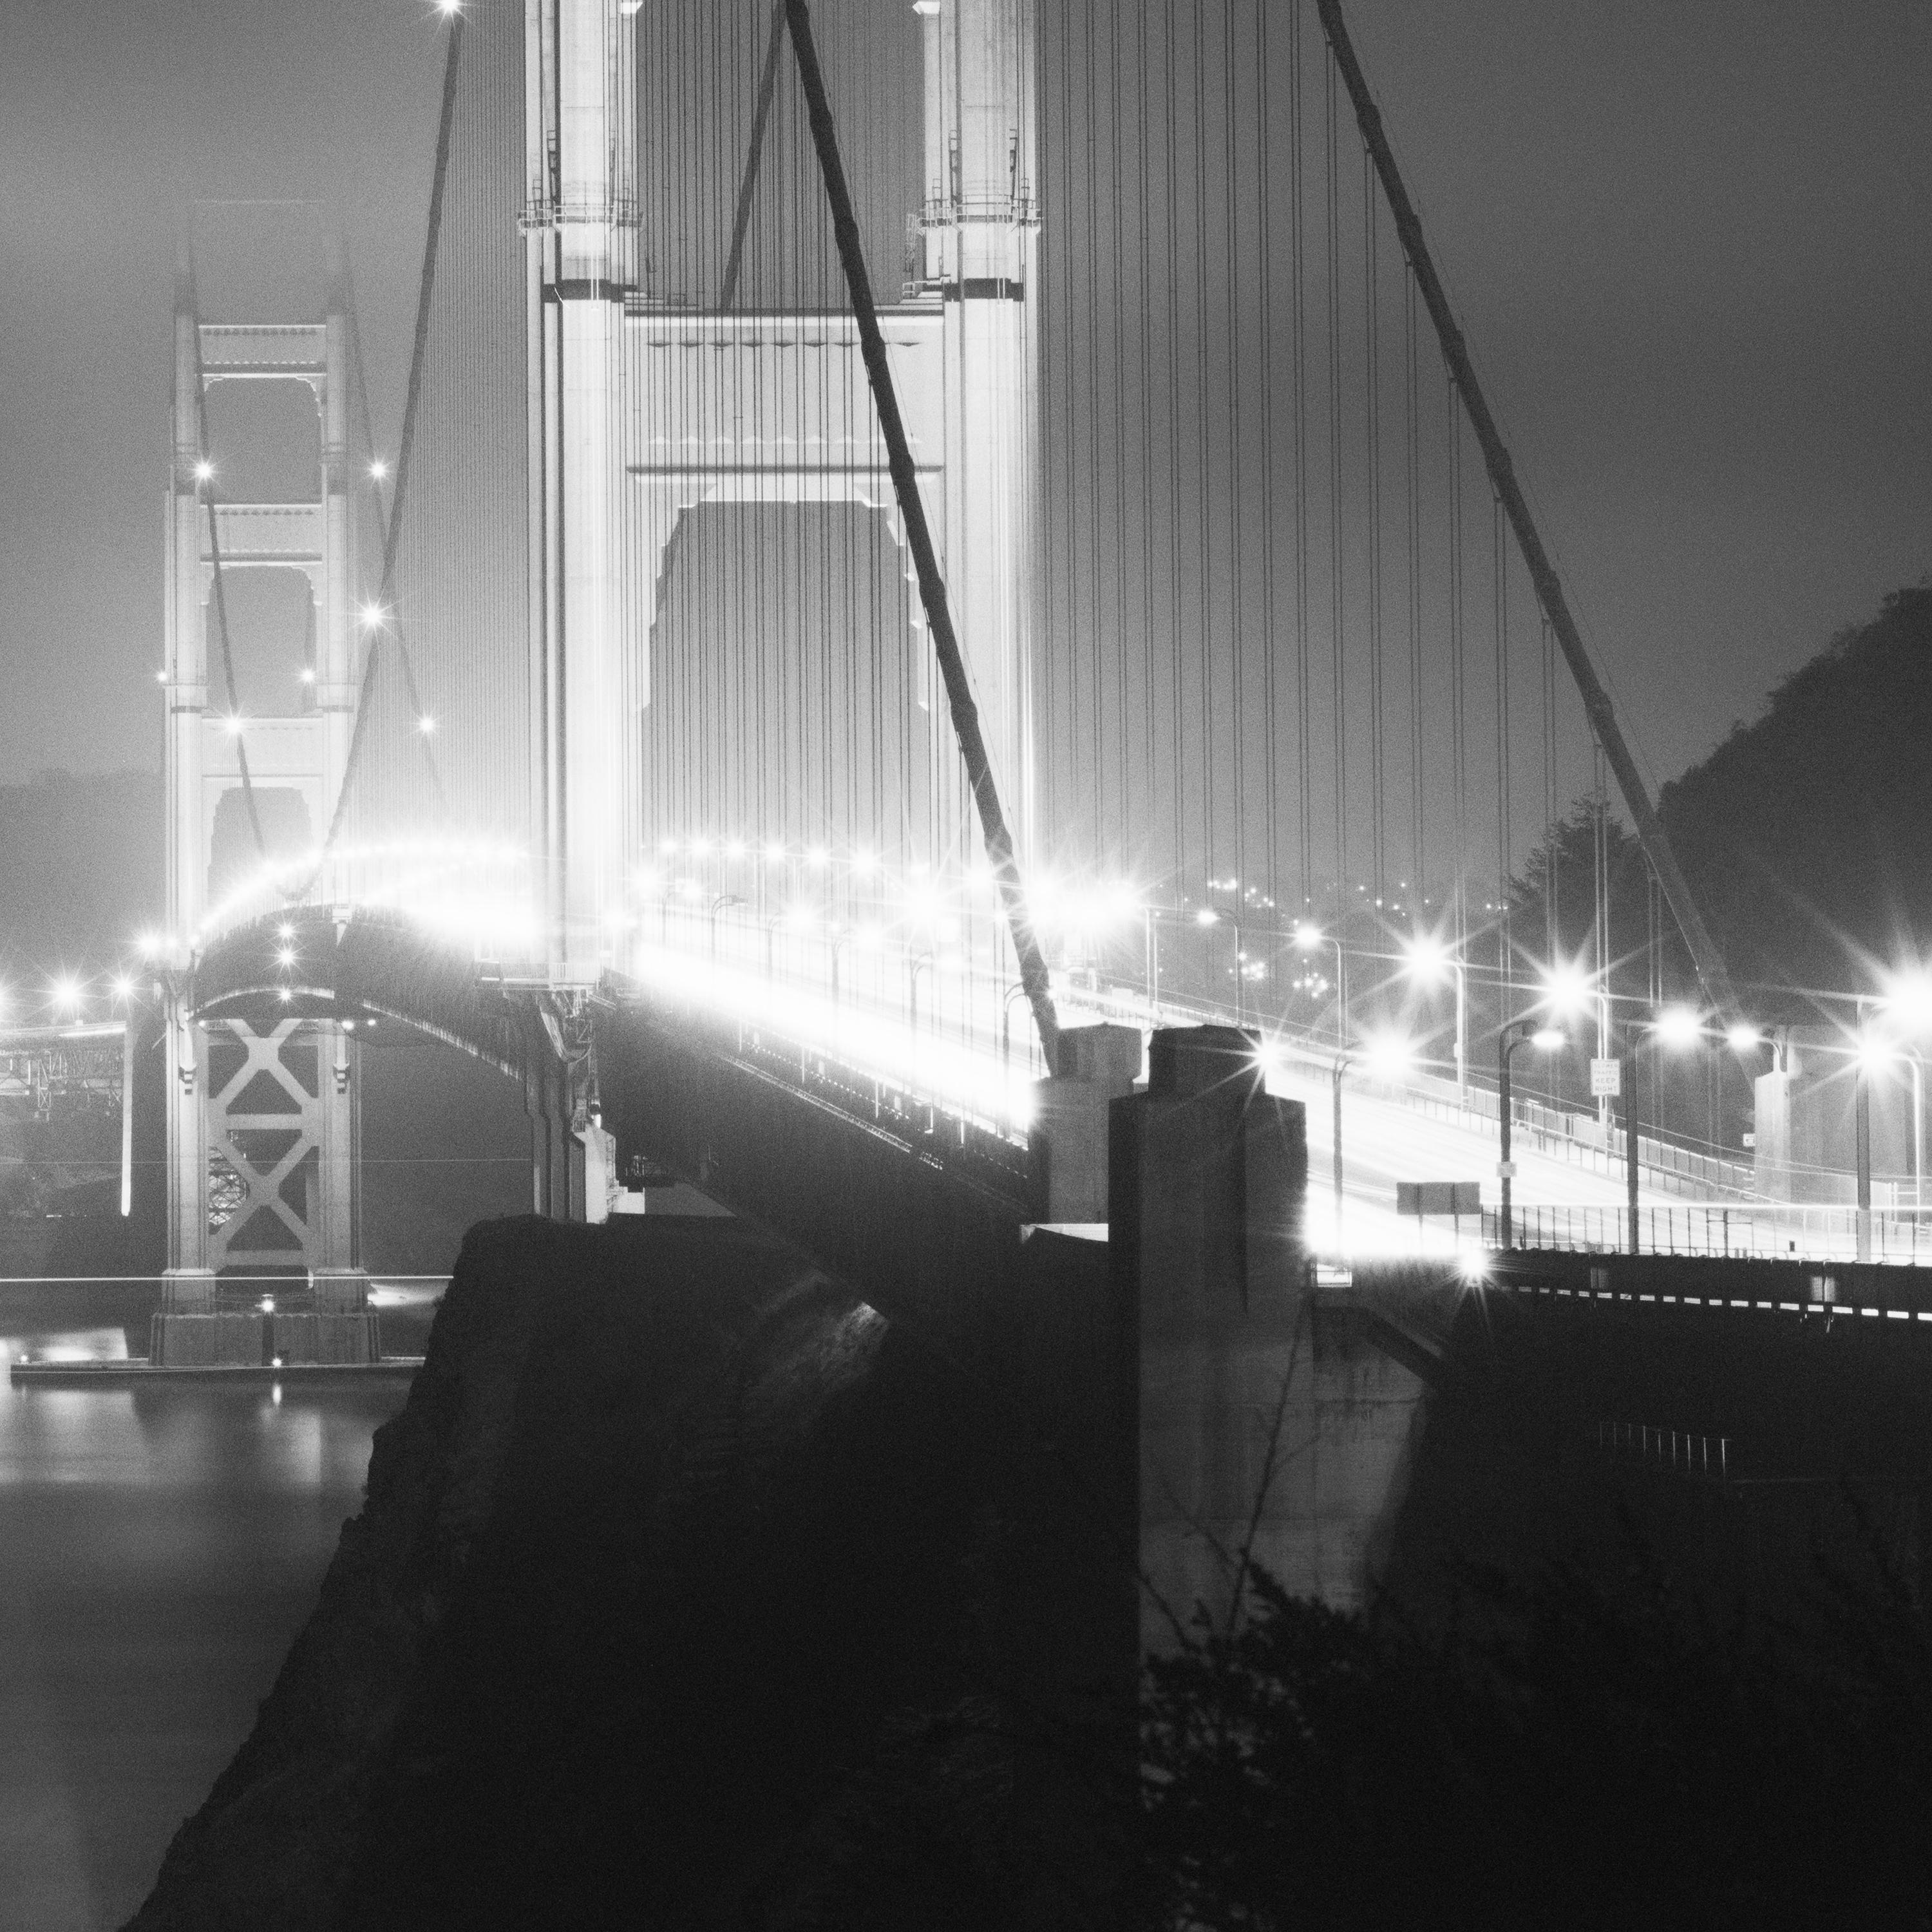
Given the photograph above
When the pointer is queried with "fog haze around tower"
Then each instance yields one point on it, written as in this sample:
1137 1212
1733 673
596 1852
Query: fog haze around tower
1689 247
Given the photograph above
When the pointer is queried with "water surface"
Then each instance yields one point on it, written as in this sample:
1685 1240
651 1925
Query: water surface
159 1546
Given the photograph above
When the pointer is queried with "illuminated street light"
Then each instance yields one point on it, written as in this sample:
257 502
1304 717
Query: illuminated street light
204 471
1546 1039
427 726
378 468
1743 1036
372 616
718 905
1306 938
1384 1054
1430 959
1678 1027
1568 991
67 994
1908 1000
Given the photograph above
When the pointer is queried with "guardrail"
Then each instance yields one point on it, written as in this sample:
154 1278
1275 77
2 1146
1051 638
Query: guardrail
1755 1230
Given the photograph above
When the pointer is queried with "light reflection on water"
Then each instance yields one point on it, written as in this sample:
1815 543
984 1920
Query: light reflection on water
159 1546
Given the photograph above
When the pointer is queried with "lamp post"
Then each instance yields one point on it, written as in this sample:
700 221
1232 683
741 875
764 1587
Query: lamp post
1307 938
1548 1039
1207 917
1006 1024
1153 916
1862 1130
1427 958
1386 1054
1343 1061
921 961
718 905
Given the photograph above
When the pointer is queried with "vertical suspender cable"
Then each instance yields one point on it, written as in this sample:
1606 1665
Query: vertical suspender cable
1412 480
1372 350
1204 647
1336 644
1500 597
1265 255
1551 830
1177 662
1458 684
1236 495
1602 714
1303 724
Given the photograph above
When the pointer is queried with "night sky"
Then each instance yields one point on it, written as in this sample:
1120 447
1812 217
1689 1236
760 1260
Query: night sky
1689 244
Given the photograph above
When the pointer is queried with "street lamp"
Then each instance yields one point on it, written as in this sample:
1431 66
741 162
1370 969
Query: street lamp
1307 938
1676 1027
1429 959
1153 915
718 905
1207 917
1388 1057
1006 1024
921 962
1546 1039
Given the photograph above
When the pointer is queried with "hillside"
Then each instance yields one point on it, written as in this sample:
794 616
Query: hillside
1804 834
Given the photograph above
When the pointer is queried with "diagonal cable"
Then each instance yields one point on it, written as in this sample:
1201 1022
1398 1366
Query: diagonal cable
417 355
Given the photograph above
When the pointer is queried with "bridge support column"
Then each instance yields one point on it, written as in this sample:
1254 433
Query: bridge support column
263 1168
1098 1065
188 1283
1208 1178
981 241
580 221
572 1169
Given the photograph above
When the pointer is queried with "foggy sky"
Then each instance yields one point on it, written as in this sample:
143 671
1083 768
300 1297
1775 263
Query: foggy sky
1689 245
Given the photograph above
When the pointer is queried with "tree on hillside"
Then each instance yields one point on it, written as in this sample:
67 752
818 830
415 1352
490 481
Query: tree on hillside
1563 867
1804 835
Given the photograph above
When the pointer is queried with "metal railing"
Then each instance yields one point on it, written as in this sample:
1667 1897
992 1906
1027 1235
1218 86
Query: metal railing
1740 1230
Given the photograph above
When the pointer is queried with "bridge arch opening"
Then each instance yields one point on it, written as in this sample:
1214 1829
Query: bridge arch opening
264 438
233 856
791 693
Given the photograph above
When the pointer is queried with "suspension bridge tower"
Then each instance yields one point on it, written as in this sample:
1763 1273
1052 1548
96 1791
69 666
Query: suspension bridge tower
262 1114
644 404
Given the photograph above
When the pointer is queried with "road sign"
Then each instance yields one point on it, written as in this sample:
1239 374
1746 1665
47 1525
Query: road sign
1607 1079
